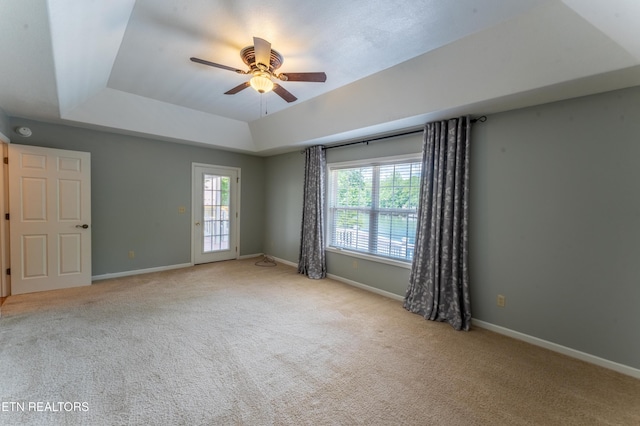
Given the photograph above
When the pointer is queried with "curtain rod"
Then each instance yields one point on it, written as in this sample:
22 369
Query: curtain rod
480 119
395 135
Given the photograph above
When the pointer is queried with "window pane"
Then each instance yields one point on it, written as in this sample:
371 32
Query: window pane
216 213
351 229
381 223
354 187
399 185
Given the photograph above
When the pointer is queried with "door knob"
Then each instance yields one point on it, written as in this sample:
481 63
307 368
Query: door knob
85 226
197 223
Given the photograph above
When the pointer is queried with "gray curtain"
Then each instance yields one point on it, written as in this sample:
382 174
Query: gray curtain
312 261
439 281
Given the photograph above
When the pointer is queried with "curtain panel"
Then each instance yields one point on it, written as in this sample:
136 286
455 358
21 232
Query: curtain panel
312 262
439 281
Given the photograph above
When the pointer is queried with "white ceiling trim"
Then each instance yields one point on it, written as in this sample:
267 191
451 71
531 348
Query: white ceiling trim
120 110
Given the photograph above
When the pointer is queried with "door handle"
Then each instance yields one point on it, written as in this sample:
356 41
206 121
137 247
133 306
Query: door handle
197 223
85 226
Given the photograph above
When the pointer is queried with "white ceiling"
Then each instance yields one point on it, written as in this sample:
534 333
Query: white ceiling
123 65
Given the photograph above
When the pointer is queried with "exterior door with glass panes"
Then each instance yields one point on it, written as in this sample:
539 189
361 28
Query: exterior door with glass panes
215 213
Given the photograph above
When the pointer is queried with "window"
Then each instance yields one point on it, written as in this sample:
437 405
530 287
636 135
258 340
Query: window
373 206
216 213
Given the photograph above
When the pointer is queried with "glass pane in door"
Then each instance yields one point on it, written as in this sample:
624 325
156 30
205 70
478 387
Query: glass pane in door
216 213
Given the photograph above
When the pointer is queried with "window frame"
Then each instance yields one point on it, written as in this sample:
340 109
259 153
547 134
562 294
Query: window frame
377 161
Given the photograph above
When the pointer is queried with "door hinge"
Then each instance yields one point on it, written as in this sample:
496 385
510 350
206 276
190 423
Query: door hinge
8 271
237 180
236 249
6 216
6 160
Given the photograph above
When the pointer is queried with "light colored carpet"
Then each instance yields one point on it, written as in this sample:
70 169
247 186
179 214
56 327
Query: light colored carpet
232 343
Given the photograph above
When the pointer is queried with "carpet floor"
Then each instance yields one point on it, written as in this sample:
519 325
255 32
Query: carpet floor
232 343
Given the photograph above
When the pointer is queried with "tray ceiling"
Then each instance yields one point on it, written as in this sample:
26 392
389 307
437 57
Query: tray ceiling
123 65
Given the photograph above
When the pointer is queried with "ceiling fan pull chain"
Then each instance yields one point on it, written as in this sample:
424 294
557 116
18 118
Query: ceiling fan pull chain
263 102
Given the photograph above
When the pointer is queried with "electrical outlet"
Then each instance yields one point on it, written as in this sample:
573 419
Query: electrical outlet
355 264
132 254
501 300
182 209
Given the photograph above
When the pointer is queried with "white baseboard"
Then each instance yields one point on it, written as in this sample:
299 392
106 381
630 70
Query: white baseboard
249 256
573 353
139 271
158 269
284 262
350 282
367 287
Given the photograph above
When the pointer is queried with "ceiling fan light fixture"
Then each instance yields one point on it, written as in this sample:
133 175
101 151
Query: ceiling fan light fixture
261 83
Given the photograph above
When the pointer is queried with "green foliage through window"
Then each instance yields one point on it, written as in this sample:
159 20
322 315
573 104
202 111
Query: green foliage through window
373 208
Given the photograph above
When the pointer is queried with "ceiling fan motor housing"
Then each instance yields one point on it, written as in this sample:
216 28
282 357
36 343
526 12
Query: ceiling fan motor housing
248 56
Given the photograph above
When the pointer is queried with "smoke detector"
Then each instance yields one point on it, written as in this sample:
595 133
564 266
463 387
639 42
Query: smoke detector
25 132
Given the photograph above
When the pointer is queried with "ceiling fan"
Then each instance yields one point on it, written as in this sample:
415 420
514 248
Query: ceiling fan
263 62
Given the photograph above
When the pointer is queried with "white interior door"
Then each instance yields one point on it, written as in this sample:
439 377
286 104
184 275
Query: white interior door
50 214
215 213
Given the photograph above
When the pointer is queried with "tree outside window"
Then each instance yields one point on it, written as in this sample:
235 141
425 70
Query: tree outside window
373 208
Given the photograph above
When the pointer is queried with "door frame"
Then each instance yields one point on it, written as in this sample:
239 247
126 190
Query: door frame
5 258
235 197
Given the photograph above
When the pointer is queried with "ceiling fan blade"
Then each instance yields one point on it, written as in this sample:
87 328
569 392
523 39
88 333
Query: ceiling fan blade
317 77
213 64
262 50
284 93
238 88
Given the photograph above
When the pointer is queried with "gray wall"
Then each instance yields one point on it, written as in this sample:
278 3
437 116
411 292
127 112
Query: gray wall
137 186
284 177
555 202
555 222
